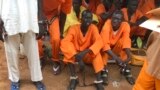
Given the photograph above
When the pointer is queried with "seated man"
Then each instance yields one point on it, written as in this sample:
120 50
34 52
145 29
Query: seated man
74 16
117 43
82 44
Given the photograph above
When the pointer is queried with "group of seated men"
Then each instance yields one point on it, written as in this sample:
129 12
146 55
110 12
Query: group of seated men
93 32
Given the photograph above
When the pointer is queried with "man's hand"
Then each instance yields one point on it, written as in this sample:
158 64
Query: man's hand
79 57
118 60
115 57
105 15
42 29
128 52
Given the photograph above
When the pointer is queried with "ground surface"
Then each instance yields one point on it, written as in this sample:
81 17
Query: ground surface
60 82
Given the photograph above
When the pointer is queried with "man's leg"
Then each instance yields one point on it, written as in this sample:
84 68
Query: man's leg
31 48
98 66
12 49
104 72
54 32
126 71
73 77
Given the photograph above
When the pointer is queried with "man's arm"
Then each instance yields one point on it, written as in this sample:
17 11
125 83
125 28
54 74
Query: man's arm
40 10
114 56
128 52
62 23
42 22
79 58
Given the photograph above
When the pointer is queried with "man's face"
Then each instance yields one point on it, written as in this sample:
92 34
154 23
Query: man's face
116 20
132 5
86 18
76 5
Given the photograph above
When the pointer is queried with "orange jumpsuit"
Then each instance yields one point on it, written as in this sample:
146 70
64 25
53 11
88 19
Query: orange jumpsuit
116 42
135 30
75 42
92 5
51 9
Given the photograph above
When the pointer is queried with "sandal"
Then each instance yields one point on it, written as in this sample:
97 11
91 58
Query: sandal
127 73
39 85
73 83
99 85
15 85
104 75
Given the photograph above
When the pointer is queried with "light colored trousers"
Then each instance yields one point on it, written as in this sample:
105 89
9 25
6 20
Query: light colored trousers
12 44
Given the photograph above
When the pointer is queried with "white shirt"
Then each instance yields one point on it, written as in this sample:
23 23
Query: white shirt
19 16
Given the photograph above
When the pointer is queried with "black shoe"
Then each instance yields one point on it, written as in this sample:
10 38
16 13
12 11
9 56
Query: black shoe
99 86
127 73
15 85
104 75
73 83
39 85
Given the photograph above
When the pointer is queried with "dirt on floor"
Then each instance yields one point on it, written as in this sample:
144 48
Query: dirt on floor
60 82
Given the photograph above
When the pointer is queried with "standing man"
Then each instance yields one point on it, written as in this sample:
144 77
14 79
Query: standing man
117 43
19 22
55 11
82 44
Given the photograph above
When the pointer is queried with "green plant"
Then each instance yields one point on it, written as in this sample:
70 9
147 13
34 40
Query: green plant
139 43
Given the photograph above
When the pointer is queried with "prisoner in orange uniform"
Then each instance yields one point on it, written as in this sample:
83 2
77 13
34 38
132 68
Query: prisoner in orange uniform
115 36
82 44
55 12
